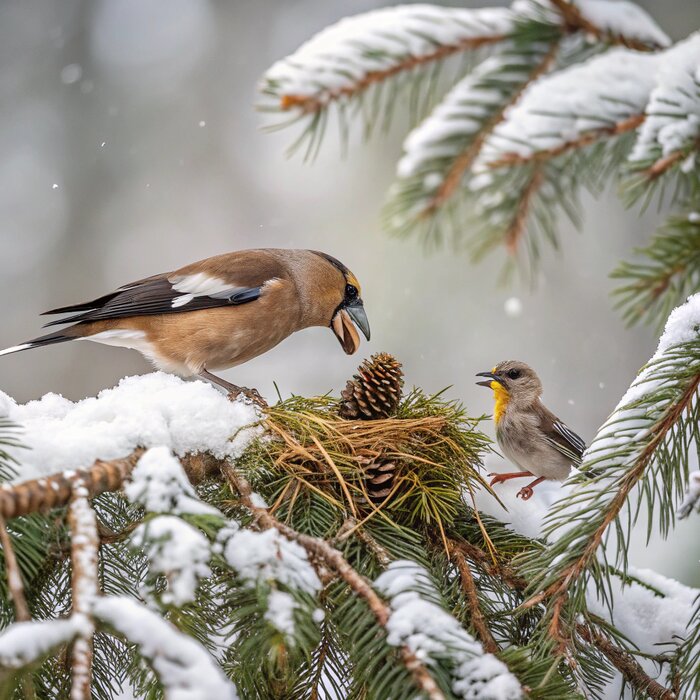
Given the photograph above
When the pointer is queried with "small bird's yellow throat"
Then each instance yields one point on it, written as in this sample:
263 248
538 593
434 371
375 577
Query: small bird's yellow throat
501 397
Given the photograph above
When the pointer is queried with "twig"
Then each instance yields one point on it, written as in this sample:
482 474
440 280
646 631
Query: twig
466 159
517 225
84 544
314 103
663 164
574 21
477 617
351 527
622 660
509 160
334 560
630 669
55 491
14 577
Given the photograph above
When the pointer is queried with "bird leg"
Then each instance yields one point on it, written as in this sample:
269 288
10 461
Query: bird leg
526 491
500 478
233 390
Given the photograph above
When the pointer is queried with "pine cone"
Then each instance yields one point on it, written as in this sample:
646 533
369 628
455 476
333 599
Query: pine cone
379 477
375 391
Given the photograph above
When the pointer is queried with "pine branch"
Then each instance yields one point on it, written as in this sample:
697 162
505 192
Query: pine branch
319 549
575 19
55 491
622 660
14 577
639 443
667 276
587 138
477 617
371 48
84 545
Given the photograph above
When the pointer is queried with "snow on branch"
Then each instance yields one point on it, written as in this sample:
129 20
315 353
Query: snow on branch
141 411
418 621
638 445
23 643
348 57
671 129
692 496
620 22
442 149
177 550
184 668
159 483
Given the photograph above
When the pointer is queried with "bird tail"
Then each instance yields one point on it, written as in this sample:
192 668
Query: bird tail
49 339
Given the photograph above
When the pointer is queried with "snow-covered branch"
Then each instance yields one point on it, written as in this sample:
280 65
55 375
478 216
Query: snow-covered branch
636 446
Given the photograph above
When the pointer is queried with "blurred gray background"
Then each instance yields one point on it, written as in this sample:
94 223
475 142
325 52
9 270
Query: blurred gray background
129 145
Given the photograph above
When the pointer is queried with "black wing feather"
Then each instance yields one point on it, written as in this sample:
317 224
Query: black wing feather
151 297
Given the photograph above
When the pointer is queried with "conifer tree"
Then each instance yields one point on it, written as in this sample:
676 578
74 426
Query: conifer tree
165 539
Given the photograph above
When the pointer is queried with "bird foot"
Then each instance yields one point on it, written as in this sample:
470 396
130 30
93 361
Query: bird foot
496 478
249 395
525 493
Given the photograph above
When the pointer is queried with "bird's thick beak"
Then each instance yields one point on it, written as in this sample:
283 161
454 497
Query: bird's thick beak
491 378
342 325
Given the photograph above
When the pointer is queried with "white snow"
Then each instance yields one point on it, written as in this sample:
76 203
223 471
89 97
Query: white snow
513 307
559 107
160 485
268 556
462 113
623 18
673 112
24 642
692 495
179 551
418 622
185 669
343 54
280 613
141 411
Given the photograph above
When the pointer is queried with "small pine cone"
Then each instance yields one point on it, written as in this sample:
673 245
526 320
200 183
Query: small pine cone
375 391
379 477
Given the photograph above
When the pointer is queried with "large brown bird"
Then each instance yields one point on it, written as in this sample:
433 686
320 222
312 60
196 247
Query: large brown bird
220 312
528 433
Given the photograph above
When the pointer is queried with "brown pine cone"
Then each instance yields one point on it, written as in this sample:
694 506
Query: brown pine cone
379 477
375 391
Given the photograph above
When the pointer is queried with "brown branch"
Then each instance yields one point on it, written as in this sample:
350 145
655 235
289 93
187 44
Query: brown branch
575 21
14 576
84 545
314 103
558 590
333 559
628 666
466 159
517 226
663 164
509 160
622 660
469 587
55 491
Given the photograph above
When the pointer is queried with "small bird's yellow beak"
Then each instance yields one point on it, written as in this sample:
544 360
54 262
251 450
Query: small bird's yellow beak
492 379
343 325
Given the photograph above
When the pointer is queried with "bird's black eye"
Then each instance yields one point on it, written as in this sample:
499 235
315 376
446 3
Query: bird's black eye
513 373
350 292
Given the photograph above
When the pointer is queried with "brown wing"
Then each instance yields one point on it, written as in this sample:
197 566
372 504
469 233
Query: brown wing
225 280
560 436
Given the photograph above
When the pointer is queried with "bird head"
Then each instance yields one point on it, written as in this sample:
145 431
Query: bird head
340 295
512 380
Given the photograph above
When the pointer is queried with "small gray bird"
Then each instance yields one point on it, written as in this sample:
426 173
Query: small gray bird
528 433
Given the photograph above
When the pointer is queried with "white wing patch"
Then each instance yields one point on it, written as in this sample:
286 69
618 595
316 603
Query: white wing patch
201 284
181 300
15 348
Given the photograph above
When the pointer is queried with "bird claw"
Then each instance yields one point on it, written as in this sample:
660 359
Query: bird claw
497 478
525 493
249 395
